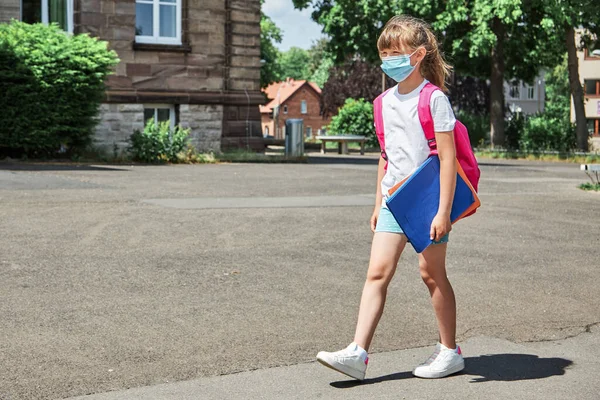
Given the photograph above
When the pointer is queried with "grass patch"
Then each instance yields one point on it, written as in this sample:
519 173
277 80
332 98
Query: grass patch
247 156
590 186
541 156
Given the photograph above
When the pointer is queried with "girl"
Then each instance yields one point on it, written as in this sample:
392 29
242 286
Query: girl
410 55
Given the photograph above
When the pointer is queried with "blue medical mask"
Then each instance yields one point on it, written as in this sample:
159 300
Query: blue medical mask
398 67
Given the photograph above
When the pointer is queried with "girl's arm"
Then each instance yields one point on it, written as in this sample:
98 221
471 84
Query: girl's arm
441 224
378 195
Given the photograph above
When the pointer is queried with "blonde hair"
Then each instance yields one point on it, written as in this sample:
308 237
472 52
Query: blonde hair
414 33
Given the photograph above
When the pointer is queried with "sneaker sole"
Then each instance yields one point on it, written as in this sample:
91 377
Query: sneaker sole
441 374
351 372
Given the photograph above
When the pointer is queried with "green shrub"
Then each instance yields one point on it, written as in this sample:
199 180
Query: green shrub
478 127
513 131
157 143
51 84
354 118
543 132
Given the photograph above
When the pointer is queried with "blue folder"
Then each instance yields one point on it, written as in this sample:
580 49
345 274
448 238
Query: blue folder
416 202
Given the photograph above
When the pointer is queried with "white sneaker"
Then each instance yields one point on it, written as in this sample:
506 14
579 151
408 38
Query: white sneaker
443 362
349 361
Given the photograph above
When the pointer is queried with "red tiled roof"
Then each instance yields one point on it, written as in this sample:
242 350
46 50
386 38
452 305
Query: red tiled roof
279 92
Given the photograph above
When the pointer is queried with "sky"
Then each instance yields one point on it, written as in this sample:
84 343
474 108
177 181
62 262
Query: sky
298 28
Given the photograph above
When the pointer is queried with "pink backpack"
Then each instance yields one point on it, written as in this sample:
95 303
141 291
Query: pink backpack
464 152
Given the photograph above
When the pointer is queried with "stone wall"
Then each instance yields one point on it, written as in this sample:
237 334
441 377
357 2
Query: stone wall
204 121
116 124
10 9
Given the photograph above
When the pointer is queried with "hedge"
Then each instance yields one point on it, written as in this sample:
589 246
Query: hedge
51 84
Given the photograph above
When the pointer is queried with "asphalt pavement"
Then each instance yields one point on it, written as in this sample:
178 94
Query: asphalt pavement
224 281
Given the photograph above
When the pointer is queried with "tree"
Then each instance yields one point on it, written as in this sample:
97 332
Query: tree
495 39
270 70
506 33
562 18
320 62
356 78
295 64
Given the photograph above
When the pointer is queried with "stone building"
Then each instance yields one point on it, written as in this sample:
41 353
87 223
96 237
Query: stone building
290 100
192 62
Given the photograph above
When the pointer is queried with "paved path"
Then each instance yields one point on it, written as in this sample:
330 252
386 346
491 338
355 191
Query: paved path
495 369
130 277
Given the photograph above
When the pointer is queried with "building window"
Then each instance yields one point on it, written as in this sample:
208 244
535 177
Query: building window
514 91
158 21
266 131
303 107
593 125
285 109
160 113
308 131
592 87
530 92
48 11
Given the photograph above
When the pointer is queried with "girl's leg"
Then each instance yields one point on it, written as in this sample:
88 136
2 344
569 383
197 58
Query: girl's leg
385 253
432 264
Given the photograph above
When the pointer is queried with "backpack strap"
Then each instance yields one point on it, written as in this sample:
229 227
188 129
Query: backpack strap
425 117
378 118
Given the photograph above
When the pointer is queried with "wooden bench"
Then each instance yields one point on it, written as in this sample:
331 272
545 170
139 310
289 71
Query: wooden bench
342 141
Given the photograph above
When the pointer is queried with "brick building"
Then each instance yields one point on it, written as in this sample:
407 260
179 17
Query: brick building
292 99
193 62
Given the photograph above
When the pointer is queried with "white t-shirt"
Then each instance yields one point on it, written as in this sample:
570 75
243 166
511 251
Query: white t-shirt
405 143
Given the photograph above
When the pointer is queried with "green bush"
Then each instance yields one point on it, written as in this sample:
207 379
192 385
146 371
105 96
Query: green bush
543 132
478 127
514 126
354 118
157 143
51 84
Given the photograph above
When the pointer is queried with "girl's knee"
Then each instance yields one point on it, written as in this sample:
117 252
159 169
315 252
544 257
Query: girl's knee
380 273
429 278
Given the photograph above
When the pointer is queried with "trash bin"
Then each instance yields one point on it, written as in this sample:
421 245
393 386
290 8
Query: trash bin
294 137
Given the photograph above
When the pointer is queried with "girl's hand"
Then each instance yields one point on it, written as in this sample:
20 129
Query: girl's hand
440 227
374 219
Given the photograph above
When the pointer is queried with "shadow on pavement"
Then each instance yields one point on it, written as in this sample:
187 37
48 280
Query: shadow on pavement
57 167
496 367
514 367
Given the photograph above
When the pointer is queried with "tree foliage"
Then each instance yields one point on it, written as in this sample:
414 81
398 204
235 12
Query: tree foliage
501 39
356 79
295 64
270 70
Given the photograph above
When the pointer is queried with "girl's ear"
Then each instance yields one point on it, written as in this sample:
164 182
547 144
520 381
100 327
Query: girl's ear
421 53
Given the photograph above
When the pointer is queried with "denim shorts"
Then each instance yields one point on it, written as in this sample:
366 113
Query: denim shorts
387 223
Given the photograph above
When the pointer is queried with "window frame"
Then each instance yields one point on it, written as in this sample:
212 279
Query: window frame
510 89
156 38
45 16
285 109
596 124
597 94
156 107
530 90
303 107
